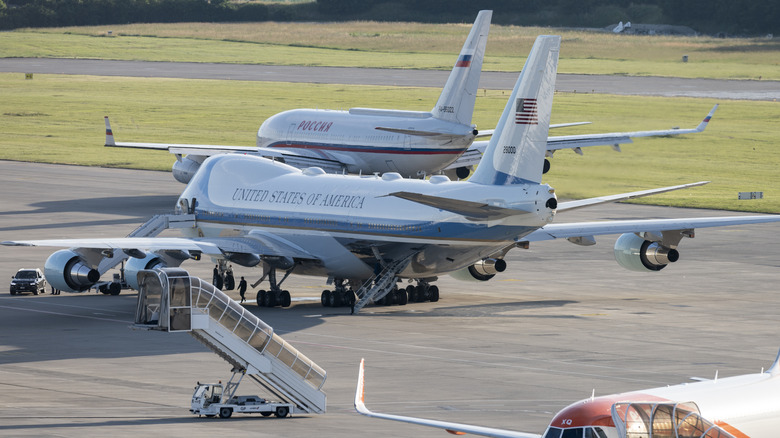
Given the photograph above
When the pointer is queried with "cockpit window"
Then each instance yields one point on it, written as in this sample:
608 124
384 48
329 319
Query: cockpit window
652 419
595 432
575 432
553 432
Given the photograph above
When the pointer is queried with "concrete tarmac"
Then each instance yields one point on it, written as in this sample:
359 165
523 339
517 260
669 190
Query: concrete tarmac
622 85
562 321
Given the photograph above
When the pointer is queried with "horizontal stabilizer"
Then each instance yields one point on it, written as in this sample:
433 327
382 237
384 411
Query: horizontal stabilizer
420 133
478 211
571 205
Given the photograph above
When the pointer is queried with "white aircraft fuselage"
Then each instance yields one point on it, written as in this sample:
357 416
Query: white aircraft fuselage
744 406
242 195
360 139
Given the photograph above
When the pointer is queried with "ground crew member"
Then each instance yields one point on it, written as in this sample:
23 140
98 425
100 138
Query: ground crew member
242 289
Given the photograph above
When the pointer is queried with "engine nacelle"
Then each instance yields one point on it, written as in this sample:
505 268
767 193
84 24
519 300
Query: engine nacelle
637 254
133 266
66 270
185 168
483 270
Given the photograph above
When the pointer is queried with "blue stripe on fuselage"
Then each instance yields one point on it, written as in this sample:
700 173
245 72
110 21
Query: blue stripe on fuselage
368 226
367 149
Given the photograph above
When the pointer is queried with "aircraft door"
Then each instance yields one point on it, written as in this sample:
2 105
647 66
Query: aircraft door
290 131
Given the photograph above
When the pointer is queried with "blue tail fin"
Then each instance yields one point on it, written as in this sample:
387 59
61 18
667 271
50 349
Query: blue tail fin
515 154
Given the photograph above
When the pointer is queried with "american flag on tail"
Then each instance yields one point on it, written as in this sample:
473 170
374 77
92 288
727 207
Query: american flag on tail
525 112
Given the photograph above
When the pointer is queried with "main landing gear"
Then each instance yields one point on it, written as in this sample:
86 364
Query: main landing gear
341 296
275 296
424 291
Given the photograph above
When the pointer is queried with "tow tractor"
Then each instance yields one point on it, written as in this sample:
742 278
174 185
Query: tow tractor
212 399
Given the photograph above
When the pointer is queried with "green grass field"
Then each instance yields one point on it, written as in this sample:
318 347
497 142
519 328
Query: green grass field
59 119
412 45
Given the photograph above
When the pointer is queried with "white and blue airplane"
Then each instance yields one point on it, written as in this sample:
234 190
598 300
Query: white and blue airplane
366 232
367 140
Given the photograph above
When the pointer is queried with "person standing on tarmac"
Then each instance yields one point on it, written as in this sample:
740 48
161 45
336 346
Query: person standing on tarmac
242 289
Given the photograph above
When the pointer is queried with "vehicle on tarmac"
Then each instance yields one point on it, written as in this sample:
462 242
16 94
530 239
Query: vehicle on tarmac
207 400
28 280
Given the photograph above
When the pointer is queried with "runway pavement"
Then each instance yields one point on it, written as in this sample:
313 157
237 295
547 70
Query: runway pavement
624 85
562 321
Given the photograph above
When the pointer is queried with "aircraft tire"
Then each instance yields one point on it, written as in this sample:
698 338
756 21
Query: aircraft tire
285 299
261 297
402 298
332 299
325 298
411 293
434 293
225 412
270 299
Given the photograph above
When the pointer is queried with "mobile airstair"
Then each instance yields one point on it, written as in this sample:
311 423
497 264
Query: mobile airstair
169 299
376 287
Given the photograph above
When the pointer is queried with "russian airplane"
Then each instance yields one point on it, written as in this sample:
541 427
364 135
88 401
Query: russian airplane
367 140
364 233
732 407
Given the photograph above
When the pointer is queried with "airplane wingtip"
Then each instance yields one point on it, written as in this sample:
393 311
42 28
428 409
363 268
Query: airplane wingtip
360 396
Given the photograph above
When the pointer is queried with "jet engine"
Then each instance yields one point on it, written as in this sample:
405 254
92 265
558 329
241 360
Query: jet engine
185 168
483 270
637 254
66 270
135 265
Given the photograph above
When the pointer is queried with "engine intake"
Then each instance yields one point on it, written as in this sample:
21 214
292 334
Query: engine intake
66 270
637 254
134 266
183 170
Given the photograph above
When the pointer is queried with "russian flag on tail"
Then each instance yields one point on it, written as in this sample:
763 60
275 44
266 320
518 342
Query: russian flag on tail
464 61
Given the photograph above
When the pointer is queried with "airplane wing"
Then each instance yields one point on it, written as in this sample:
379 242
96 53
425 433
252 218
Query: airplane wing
206 150
577 231
489 132
453 428
580 203
258 243
576 142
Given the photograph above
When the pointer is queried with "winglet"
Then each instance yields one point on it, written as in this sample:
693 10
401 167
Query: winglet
360 391
109 133
775 368
706 120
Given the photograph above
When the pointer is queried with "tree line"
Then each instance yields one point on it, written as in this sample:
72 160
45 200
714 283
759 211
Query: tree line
740 17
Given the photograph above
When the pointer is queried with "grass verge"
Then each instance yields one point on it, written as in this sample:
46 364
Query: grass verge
58 119
412 45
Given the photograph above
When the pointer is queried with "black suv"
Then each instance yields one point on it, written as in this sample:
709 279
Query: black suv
28 280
